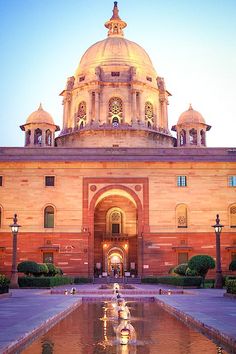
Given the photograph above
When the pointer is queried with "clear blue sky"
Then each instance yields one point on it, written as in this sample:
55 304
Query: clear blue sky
192 44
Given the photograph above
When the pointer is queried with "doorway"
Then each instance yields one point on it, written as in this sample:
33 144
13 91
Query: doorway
115 264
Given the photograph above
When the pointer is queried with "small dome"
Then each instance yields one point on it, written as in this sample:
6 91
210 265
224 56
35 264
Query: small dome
40 116
191 116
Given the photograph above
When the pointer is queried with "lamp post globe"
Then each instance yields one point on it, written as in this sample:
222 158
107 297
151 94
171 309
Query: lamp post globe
219 278
14 274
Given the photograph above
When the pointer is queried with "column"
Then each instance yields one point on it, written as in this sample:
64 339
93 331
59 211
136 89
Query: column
97 106
134 106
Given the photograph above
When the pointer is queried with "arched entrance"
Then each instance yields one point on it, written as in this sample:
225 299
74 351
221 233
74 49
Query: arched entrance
115 262
115 235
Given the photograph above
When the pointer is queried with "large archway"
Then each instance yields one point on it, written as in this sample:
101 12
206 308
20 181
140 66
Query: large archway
115 235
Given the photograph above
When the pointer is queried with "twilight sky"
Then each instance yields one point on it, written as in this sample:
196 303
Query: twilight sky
192 44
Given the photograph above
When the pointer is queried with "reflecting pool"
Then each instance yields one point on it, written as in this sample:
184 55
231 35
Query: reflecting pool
91 329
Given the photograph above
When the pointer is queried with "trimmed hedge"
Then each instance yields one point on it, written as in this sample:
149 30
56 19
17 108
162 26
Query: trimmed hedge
4 284
43 282
177 281
79 280
231 286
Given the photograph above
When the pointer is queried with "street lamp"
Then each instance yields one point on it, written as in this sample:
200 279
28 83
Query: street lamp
218 228
14 275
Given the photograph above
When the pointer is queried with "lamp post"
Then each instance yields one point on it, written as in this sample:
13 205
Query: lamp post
218 228
14 275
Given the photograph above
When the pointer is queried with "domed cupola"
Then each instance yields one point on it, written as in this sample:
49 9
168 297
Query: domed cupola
39 129
115 98
191 129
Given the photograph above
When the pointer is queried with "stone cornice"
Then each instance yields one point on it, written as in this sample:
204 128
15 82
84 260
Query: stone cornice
18 154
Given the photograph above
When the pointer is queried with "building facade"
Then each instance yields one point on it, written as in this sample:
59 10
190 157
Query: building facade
115 191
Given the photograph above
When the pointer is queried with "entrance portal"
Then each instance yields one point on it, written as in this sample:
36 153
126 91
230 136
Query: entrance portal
115 264
115 236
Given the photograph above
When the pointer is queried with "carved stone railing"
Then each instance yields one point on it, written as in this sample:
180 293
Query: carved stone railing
115 237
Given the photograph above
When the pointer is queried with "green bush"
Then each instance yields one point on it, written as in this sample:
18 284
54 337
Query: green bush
43 270
52 270
181 269
28 267
43 282
232 265
201 264
231 286
172 280
4 284
81 280
191 272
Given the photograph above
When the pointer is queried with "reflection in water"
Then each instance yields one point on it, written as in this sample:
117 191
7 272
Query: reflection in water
92 328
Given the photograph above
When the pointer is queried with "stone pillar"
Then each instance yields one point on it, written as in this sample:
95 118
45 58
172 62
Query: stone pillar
199 137
187 137
97 106
134 106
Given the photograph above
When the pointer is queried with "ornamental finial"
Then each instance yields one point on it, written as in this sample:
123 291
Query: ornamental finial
115 24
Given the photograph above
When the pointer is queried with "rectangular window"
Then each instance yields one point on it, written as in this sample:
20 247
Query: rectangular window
149 78
182 181
82 78
49 181
233 256
232 181
182 257
115 228
115 73
47 257
0 181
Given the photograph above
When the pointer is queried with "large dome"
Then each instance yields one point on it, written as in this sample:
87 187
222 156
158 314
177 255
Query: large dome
115 51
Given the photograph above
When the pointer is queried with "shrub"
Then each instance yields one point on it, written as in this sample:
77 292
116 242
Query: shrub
172 280
43 269
82 280
232 265
43 282
201 264
28 267
231 286
52 270
59 271
181 269
4 284
191 272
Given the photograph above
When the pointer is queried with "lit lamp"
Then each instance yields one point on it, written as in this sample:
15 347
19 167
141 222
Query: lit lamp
219 279
14 274
124 336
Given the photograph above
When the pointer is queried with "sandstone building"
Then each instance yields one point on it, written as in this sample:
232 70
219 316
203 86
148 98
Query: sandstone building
115 191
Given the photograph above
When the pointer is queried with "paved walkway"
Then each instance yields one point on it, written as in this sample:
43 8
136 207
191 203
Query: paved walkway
28 313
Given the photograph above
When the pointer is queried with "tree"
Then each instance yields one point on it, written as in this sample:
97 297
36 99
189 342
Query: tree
201 264
232 265
28 267
181 269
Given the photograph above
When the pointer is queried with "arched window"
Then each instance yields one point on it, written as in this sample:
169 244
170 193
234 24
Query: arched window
232 215
181 216
115 222
38 137
49 217
115 110
82 110
27 137
182 138
149 114
203 137
81 115
193 137
48 138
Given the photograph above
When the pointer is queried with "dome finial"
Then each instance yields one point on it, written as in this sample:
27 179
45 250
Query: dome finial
40 107
115 24
190 107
